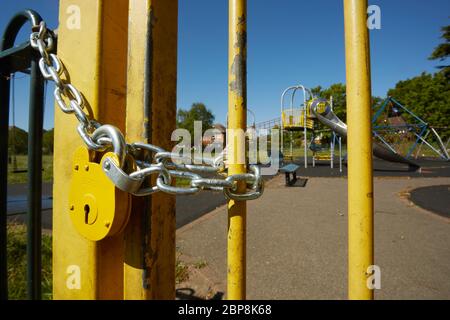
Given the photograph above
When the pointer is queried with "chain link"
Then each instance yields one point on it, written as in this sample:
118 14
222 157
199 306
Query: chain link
149 160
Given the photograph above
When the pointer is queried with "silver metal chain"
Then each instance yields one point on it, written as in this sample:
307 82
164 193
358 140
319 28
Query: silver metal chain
146 159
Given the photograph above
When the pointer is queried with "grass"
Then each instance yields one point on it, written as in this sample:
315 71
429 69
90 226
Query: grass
200 264
403 149
181 270
22 160
17 264
298 151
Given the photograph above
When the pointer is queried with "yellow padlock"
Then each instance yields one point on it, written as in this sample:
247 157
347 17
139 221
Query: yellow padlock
96 207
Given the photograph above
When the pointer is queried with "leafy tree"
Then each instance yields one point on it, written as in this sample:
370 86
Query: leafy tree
197 112
442 51
428 96
338 92
17 141
21 141
47 143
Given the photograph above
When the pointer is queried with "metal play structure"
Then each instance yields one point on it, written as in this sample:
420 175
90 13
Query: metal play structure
296 118
115 90
389 124
302 118
394 125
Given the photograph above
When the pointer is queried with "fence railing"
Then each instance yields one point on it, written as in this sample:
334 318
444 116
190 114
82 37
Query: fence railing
22 58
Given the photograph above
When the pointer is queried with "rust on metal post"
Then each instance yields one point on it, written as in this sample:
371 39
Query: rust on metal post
151 114
237 124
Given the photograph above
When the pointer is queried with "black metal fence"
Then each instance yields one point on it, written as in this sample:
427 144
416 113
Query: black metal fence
22 58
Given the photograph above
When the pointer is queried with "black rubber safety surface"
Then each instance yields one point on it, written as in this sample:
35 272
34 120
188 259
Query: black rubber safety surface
433 198
428 168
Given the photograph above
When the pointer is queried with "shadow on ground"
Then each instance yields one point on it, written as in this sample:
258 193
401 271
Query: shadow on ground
190 294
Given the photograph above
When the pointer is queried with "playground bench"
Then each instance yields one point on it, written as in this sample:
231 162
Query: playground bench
323 157
288 170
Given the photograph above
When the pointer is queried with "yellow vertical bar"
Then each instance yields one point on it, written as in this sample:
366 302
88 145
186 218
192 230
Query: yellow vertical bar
94 53
149 265
237 120
360 179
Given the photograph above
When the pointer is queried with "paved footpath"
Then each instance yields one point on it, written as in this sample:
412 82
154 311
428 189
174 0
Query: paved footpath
297 243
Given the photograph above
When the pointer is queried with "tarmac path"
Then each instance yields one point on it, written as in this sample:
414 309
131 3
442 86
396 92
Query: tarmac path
297 243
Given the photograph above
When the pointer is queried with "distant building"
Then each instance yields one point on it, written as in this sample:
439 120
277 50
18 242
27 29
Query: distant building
218 135
396 121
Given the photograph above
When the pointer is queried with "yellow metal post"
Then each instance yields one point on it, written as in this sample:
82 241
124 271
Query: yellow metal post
360 179
94 51
237 120
149 266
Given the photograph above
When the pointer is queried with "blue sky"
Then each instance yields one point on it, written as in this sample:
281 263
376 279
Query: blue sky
289 42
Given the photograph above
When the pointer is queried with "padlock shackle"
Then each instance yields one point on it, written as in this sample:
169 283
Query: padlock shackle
117 140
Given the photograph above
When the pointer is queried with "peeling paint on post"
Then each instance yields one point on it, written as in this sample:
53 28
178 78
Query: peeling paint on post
239 66
237 119
149 264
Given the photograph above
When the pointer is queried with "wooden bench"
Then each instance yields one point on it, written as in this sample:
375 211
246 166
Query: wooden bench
288 170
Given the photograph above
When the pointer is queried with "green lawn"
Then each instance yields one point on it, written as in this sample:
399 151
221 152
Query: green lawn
17 263
425 151
298 152
47 173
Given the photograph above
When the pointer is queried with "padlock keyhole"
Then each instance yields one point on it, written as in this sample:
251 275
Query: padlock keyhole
87 209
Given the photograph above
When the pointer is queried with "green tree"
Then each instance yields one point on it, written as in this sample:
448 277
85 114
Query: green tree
428 96
17 141
21 141
442 51
338 92
47 142
197 112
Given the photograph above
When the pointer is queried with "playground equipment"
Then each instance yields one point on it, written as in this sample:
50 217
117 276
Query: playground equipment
300 118
296 119
124 63
395 126
319 109
322 110
290 173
